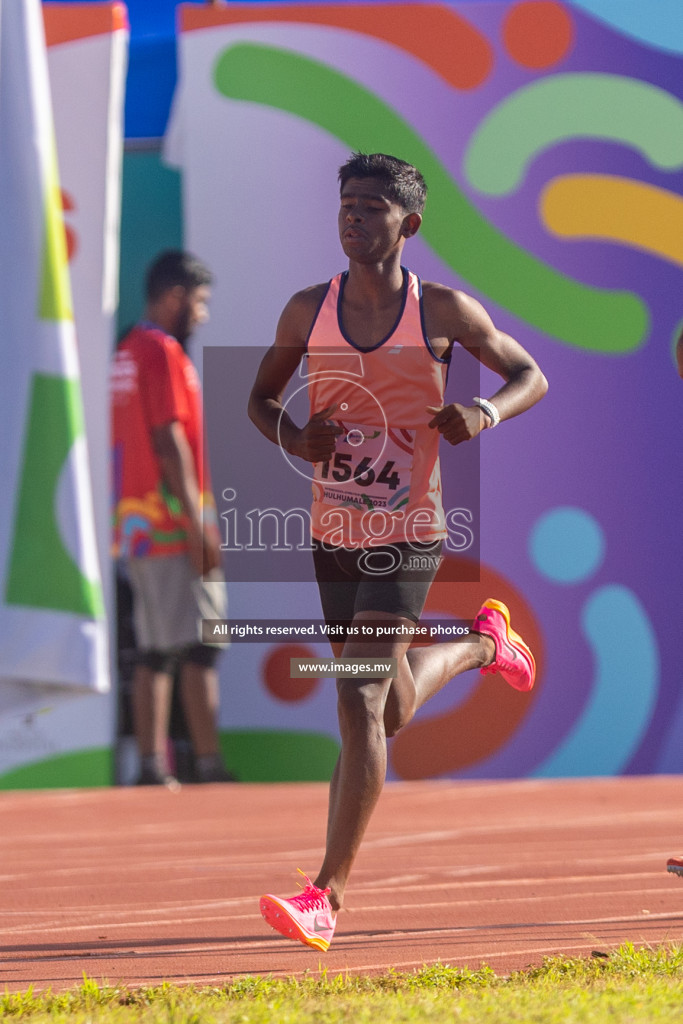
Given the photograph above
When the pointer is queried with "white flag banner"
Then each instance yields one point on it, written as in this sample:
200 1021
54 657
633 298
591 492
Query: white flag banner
87 47
52 618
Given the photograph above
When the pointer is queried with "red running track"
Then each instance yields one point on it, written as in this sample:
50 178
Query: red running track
140 886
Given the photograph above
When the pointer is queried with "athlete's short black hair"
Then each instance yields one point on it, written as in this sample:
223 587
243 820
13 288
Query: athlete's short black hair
403 182
175 267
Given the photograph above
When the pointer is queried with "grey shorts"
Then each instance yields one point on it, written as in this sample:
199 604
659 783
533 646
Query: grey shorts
170 601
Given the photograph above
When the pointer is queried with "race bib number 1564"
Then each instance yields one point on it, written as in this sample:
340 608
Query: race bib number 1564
370 468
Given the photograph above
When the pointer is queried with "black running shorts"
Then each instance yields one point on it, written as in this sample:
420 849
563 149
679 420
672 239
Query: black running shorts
393 578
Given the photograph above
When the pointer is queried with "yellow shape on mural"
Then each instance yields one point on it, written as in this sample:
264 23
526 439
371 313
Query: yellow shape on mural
615 209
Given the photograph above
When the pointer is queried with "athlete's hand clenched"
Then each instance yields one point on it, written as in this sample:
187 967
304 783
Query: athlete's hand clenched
457 422
316 441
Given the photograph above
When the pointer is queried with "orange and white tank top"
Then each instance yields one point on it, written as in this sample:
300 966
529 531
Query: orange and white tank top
383 484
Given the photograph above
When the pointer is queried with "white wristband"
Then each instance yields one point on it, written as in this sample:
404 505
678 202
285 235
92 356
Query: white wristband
489 409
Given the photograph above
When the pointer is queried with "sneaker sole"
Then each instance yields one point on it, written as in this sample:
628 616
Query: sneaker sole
278 918
516 639
675 869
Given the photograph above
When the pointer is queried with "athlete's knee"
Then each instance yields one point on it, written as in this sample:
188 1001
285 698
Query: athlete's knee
358 704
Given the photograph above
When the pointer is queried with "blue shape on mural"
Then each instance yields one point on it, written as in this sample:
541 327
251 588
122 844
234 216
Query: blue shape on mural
567 545
624 691
658 24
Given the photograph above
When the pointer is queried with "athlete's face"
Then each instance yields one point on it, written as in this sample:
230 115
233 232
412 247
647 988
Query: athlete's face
371 226
193 310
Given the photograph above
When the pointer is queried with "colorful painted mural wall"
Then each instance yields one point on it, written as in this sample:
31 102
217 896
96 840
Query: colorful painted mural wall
552 143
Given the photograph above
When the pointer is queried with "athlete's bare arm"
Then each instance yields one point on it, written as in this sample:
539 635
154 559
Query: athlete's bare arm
453 317
315 441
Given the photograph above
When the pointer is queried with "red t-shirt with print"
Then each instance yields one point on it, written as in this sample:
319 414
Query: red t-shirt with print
153 382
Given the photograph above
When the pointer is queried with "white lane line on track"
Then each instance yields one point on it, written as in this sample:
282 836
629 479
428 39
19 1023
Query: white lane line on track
501 883
553 923
519 825
224 910
101 923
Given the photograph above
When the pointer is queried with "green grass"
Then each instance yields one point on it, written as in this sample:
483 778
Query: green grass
629 986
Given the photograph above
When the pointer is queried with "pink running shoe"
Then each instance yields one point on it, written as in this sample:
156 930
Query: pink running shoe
675 865
307 917
513 659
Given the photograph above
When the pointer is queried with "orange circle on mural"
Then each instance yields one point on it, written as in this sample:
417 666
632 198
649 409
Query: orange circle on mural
538 33
276 674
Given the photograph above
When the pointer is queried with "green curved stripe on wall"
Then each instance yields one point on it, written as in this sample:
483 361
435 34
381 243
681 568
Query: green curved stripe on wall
76 769
254 755
269 755
611 322
611 108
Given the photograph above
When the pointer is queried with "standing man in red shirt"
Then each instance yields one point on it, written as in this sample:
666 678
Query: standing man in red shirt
165 527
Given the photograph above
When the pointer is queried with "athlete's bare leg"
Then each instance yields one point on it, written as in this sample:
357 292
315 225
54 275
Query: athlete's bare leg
426 670
363 706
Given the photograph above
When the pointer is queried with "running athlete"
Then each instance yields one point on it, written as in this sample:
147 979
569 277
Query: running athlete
405 331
